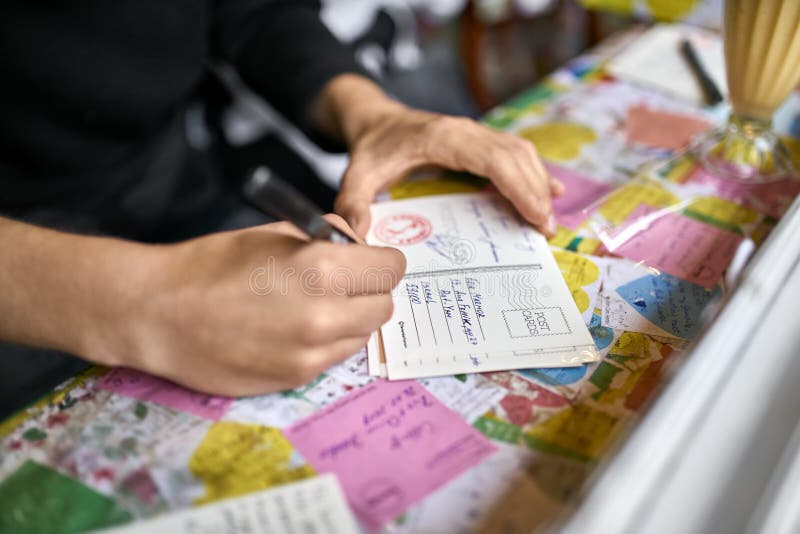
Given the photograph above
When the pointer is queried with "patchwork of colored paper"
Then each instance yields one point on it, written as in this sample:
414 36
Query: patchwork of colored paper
678 245
390 444
581 191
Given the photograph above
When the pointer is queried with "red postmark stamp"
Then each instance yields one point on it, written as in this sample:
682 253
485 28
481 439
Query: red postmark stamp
403 229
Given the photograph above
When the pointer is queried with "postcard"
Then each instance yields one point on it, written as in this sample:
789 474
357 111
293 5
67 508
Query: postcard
482 291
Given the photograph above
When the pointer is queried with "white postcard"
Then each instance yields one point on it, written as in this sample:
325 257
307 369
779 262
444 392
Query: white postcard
482 291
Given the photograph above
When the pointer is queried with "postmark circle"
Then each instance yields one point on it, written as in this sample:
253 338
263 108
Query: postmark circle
403 229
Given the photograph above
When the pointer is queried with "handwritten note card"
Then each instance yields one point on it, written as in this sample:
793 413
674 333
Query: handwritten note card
637 298
312 505
671 73
150 388
678 245
670 303
390 444
581 191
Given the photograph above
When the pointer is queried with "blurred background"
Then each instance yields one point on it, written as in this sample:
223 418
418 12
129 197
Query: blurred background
460 57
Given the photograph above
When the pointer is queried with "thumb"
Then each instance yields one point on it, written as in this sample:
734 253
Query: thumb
353 203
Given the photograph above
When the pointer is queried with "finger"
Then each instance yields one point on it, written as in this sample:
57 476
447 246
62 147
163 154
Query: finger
537 172
366 270
355 198
342 349
506 160
541 183
343 226
515 180
557 187
361 315
284 228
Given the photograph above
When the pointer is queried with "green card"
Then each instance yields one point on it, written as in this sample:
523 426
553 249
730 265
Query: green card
36 498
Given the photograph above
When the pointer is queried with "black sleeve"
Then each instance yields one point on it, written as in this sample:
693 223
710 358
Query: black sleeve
282 50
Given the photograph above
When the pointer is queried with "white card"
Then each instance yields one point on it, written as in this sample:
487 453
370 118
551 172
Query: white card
482 291
312 505
654 60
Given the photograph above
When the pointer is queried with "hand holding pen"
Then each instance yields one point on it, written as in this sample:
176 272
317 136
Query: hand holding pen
275 197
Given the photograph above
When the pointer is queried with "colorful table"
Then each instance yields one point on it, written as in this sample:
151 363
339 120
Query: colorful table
112 446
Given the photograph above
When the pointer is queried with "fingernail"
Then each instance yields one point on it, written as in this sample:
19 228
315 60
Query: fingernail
551 226
558 183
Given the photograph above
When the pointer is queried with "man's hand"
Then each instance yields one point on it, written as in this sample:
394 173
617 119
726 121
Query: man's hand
388 140
235 313
263 309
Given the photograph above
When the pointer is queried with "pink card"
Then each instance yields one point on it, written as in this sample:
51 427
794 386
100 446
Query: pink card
772 198
390 444
146 387
662 129
581 192
679 246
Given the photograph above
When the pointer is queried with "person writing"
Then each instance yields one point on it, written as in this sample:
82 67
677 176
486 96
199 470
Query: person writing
96 169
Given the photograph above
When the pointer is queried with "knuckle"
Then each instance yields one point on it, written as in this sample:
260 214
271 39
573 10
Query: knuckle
494 167
525 148
524 144
318 328
326 265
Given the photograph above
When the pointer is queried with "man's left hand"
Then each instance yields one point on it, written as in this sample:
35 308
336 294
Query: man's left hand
388 140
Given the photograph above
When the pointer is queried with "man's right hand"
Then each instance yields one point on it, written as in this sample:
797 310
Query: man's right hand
235 313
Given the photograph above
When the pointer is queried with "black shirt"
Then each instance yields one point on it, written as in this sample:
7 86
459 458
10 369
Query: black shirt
94 93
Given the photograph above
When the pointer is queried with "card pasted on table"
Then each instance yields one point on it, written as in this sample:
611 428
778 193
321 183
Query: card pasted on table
390 444
580 193
771 198
639 299
150 388
676 244
662 129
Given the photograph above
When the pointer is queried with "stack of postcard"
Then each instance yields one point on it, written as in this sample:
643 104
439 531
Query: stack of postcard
482 292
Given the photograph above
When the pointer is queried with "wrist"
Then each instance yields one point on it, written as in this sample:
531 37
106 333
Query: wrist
351 105
113 318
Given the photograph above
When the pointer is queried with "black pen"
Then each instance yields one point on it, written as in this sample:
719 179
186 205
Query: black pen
275 197
712 94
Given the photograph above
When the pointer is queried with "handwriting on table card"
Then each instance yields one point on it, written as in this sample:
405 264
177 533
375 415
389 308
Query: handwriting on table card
390 444
641 299
678 245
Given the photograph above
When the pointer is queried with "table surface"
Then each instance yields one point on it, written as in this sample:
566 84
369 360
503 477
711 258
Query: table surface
140 457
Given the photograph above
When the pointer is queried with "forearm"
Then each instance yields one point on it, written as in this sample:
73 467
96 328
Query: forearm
66 291
349 105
